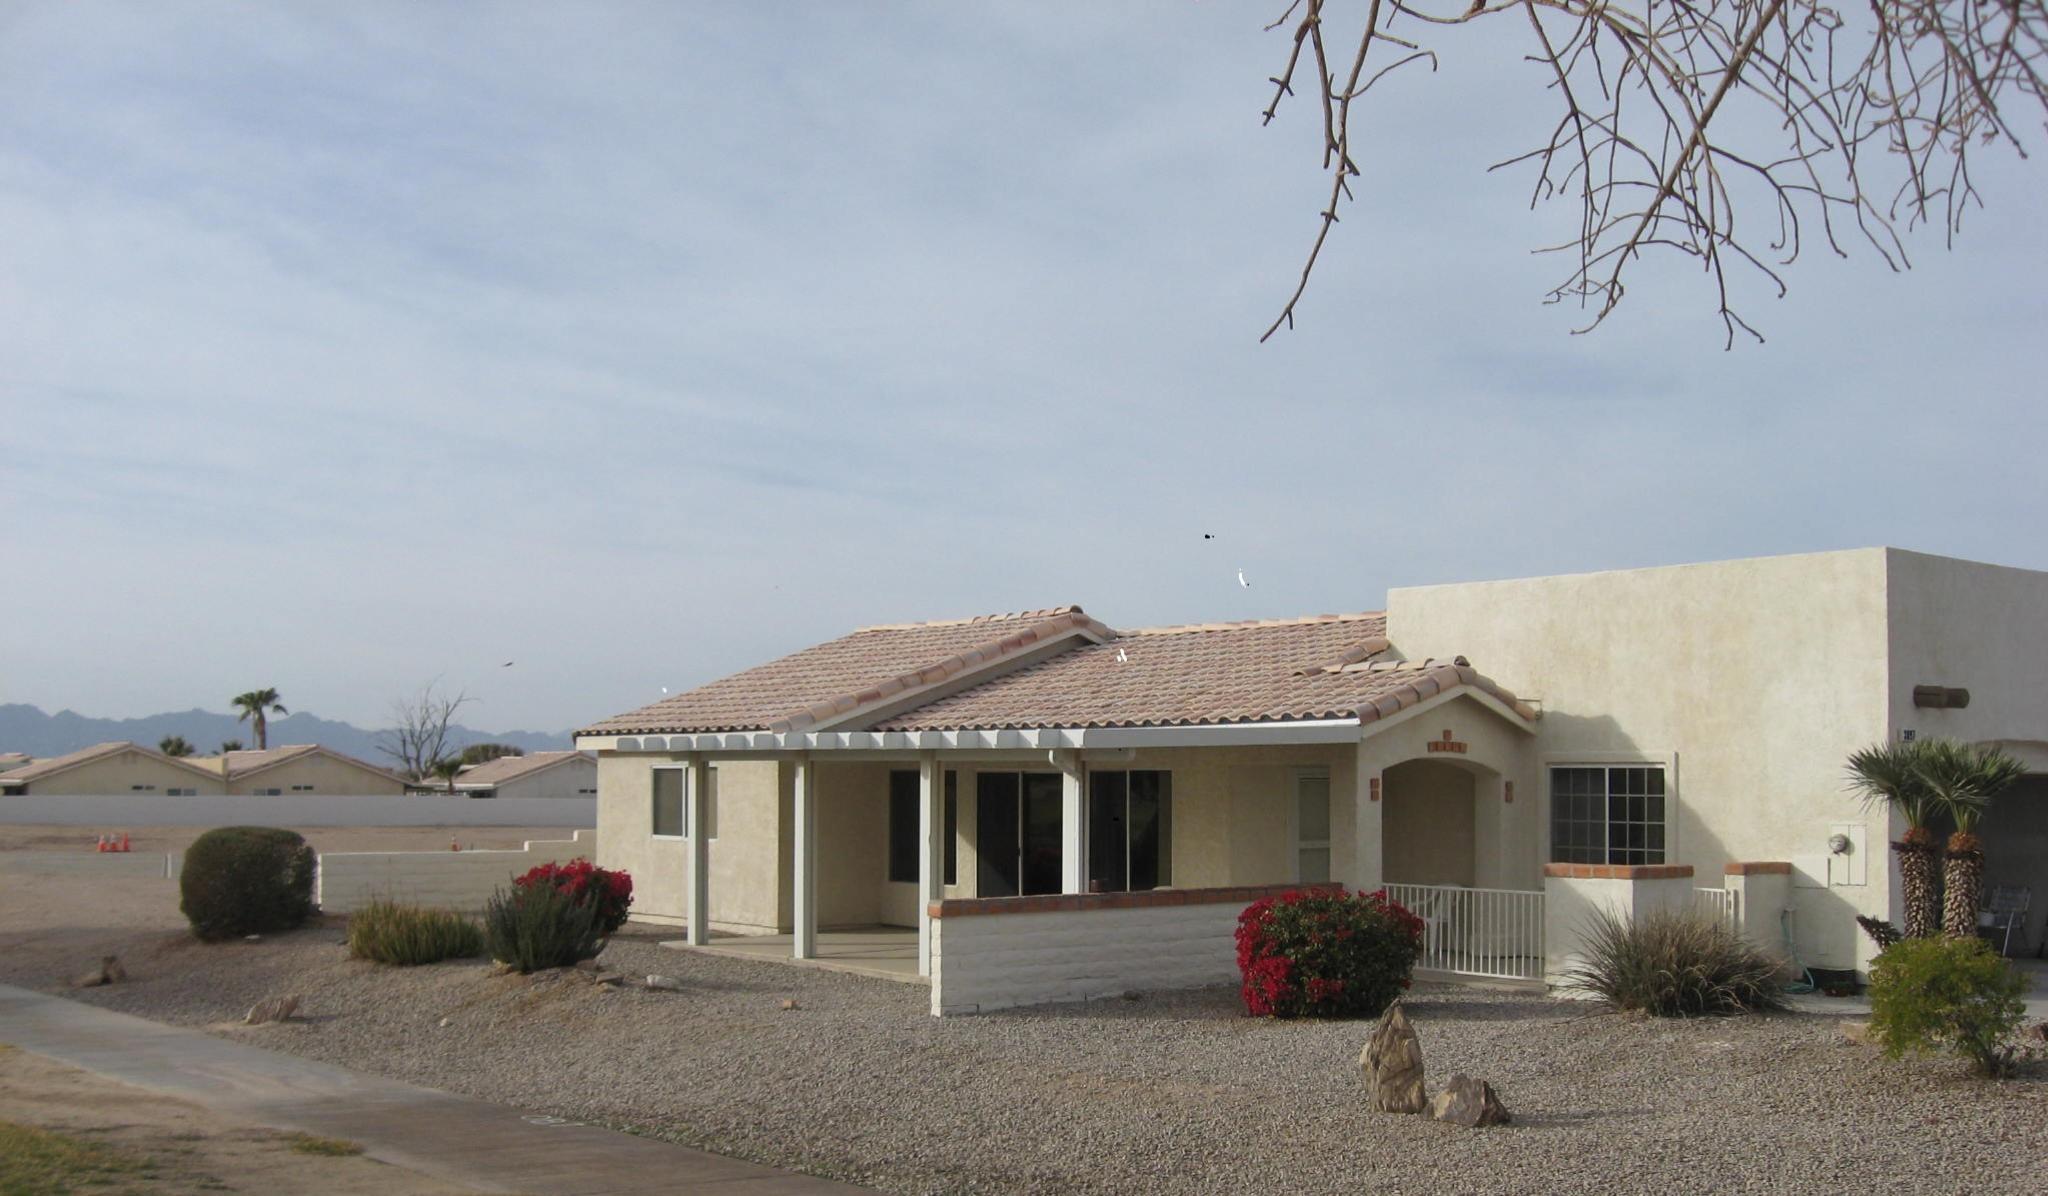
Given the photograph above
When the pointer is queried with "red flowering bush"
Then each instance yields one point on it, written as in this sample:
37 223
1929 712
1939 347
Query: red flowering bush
1325 952
609 890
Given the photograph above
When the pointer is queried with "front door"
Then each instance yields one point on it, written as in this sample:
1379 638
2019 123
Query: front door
1018 833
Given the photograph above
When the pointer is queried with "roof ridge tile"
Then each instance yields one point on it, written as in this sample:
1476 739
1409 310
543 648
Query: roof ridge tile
1362 616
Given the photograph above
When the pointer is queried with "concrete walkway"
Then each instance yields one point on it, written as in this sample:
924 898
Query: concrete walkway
489 1147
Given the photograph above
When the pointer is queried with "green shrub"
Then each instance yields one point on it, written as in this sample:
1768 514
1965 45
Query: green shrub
533 927
1675 963
1947 993
389 932
242 880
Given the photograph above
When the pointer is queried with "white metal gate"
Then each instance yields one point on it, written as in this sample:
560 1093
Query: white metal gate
1492 933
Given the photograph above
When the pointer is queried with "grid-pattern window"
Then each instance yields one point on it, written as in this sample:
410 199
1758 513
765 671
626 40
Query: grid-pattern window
672 810
1607 814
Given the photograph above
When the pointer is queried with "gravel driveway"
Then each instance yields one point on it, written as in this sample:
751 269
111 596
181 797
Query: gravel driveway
1168 1093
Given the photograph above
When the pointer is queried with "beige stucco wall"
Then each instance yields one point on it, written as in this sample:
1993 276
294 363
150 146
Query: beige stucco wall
1428 824
1751 681
326 774
749 858
120 773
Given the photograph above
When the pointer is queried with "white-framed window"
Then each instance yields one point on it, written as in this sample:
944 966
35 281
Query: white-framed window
671 814
142 788
1311 819
270 793
1130 830
1607 814
906 790
181 793
592 792
302 789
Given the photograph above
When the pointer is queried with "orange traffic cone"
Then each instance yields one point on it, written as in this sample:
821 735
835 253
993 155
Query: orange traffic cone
101 846
453 845
124 842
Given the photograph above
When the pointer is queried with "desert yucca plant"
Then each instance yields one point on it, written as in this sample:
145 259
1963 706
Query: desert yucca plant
395 933
533 927
1675 963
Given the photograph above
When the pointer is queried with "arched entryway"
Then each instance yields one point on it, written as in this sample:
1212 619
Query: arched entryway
1429 823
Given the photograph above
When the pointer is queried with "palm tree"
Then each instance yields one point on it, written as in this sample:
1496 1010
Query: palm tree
174 745
1963 778
253 705
1888 775
447 769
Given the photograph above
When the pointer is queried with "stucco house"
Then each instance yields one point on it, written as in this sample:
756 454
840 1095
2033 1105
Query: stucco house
299 768
1060 809
535 774
108 768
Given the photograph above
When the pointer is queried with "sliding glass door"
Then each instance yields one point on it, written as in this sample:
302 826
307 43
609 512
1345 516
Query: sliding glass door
1018 833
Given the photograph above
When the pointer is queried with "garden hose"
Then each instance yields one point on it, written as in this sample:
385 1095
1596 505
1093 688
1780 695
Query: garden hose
1805 982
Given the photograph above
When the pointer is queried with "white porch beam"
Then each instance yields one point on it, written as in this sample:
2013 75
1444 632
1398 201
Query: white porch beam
804 887
931 851
1073 822
696 792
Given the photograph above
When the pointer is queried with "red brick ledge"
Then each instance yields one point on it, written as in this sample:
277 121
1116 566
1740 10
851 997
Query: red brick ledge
1618 871
962 907
1757 868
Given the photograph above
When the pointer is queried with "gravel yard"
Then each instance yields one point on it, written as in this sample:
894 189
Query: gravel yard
1168 1093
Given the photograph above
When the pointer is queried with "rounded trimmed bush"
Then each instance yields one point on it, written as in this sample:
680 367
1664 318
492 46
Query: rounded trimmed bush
241 880
1324 952
1943 993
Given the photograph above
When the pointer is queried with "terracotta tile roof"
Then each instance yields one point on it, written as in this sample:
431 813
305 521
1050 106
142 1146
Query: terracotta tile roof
1277 669
99 751
870 666
492 773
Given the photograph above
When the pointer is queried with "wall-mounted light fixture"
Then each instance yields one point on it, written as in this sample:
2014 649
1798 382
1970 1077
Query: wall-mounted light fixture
1839 845
1940 697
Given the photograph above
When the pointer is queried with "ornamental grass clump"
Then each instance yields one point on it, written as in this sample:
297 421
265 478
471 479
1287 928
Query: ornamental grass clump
1325 952
534 927
405 935
1947 994
1676 963
242 880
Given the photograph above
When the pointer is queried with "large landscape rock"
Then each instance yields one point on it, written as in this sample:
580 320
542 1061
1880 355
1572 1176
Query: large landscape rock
110 971
1468 1102
1392 1061
272 1009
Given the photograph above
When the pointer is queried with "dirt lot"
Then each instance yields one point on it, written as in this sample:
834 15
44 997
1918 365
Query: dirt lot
115 1138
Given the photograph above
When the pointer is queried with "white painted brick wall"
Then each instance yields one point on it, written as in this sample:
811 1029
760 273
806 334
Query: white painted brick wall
461 880
997 961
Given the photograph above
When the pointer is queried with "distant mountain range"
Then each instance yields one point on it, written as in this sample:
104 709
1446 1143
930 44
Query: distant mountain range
28 729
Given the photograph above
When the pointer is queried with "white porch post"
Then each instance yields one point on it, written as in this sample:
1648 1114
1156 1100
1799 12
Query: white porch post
1073 824
696 788
804 888
931 851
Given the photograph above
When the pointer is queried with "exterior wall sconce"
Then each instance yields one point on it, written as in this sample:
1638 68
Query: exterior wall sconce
1940 697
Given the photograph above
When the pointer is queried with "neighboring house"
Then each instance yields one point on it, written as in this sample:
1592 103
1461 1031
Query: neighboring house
1064 809
298 769
13 760
536 774
110 768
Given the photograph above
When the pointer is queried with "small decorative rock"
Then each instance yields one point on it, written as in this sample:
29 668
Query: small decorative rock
1392 1061
273 1009
608 979
789 1003
110 971
1857 1032
667 984
445 1023
252 938
1468 1102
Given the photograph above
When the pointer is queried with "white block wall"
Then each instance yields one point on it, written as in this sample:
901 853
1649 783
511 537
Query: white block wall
462 880
995 961
1570 902
112 812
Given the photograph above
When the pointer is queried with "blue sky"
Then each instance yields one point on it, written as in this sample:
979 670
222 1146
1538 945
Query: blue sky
346 347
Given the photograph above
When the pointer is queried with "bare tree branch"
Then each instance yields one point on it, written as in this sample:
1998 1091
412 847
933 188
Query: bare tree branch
1650 144
418 737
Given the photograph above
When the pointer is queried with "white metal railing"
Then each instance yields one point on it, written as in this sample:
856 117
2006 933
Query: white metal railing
1495 933
1725 904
